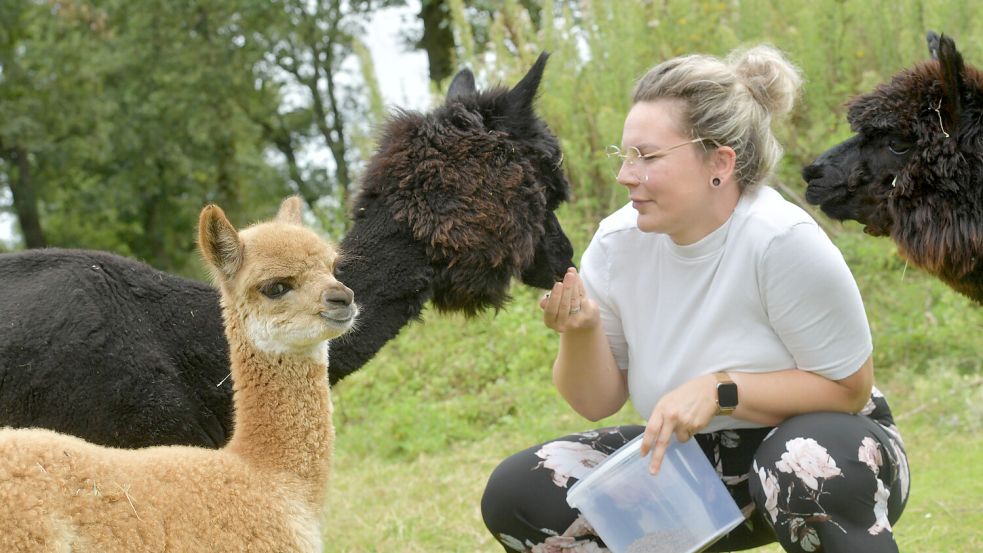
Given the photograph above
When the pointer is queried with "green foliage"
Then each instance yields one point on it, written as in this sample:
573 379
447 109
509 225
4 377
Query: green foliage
916 321
132 123
133 116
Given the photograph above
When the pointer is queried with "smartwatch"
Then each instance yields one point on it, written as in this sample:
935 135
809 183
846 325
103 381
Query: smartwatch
726 394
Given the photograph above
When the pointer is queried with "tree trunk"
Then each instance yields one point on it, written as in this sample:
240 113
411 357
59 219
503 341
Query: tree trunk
437 40
284 143
154 215
333 134
25 199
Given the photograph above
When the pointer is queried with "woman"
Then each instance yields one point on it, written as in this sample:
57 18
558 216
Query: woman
726 315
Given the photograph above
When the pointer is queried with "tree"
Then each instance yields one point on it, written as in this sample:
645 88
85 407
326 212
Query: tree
120 120
438 32
40 52
173 73
307 43
437 39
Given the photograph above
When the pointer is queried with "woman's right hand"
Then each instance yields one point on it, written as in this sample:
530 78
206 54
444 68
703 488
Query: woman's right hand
567 307
585 372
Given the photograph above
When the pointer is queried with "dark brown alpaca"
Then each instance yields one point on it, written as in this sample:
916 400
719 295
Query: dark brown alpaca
914 170
456 203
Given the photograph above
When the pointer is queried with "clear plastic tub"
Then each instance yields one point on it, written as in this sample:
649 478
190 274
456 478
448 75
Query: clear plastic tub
682 509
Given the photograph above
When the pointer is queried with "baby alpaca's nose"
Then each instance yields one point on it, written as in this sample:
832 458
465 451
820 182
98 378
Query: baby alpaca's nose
338 296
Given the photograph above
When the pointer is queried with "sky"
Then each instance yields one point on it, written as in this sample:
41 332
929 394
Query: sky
7 220
403 76
402 79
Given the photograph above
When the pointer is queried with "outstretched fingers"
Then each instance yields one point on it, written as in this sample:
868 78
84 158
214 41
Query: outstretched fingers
579 297
684 412
657 436
563 301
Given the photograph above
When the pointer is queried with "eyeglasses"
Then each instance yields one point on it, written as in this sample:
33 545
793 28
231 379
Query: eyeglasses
632 154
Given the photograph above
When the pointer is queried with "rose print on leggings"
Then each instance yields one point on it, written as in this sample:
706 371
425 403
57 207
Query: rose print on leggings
806 536
809 461
870 453
880 510
568 460
570 541
769 483
812 464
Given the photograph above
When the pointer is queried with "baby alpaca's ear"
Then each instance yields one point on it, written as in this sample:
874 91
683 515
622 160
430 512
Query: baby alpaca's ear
290 211
219 242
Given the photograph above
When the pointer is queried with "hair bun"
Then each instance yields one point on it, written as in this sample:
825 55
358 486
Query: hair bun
769 75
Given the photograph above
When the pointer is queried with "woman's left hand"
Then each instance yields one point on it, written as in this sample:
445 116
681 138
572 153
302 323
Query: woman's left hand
684 412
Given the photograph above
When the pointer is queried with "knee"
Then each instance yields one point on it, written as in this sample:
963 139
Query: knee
815 438
831 464
500 499
806 451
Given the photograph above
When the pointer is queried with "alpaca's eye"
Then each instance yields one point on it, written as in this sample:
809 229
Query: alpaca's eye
898 146
275 289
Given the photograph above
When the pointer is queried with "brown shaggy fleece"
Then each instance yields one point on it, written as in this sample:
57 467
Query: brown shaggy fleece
914 170
475 181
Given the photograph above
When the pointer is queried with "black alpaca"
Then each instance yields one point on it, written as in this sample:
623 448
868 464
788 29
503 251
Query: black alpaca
914 170
455 203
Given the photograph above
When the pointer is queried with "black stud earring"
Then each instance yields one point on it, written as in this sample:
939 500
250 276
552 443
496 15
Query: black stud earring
715 182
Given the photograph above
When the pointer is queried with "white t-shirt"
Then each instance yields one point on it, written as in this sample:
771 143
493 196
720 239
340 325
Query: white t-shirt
766 291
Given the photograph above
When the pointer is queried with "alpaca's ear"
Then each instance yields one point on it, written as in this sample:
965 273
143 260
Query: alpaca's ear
290 211
951 63
523 94
462 85
219 242
932 38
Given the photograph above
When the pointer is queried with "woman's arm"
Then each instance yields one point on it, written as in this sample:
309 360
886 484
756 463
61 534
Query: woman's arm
586 375
585 372
765 398
770 398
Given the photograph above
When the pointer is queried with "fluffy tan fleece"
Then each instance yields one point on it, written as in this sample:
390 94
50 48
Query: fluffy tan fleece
263 492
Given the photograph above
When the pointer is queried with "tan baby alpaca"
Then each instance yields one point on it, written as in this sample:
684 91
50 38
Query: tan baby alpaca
261 492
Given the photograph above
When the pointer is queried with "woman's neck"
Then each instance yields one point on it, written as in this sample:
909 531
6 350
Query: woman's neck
722 206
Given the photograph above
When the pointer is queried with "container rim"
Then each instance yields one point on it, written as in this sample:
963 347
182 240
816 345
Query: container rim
615 459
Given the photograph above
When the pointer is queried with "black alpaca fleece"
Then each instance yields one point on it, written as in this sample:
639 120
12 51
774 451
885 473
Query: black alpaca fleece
455 203
914 170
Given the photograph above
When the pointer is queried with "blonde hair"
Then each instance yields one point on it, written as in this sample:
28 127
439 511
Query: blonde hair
731 101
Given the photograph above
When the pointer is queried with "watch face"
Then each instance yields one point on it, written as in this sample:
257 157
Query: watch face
727 395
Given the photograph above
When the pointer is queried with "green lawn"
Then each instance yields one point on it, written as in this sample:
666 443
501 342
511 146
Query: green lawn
430 502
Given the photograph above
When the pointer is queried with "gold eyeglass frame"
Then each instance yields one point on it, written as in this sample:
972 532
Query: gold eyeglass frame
634 154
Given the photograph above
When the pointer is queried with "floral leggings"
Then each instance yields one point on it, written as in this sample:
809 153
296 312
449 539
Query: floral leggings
821 482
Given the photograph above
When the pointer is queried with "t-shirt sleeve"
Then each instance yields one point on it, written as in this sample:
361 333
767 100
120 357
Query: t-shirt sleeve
595 270
813 303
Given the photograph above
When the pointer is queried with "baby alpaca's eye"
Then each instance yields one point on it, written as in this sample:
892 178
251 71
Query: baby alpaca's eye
275 289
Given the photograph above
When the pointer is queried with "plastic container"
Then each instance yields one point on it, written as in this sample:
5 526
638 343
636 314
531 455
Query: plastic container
682 509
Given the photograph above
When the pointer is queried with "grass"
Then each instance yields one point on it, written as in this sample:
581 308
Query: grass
422 426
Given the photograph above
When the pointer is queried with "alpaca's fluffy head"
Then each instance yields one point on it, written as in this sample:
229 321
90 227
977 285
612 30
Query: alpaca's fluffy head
277 281
914 169
476 182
